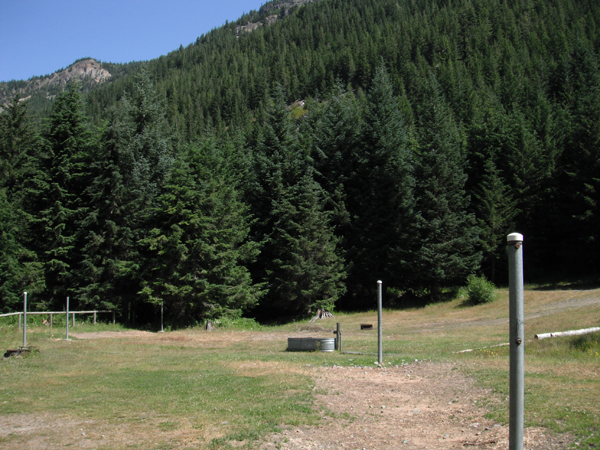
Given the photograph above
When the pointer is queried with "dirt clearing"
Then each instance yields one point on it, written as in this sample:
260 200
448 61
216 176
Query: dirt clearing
420 405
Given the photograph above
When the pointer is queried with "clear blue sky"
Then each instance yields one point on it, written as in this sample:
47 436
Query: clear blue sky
38 37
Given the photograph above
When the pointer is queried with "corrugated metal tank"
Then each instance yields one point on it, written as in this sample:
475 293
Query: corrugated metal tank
306 344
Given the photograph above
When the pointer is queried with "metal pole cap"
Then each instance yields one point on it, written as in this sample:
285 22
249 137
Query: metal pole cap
514 237
379 281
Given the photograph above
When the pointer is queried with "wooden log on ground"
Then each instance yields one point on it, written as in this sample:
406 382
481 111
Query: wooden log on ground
567 333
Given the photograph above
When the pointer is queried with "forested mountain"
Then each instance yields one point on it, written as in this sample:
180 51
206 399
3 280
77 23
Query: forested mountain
41 91
284 167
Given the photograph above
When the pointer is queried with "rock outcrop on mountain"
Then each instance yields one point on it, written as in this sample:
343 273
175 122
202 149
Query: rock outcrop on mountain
86 71
267 10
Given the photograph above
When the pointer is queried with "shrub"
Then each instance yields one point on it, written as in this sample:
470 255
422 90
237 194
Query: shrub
479 290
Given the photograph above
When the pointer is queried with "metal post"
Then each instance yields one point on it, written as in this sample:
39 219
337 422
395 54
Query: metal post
67 338
73 319
94 317
161 317
24 319
20 318
50 323
517 341
338 334
379 326
114 315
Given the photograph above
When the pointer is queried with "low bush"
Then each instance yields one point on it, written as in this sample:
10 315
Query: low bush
479 290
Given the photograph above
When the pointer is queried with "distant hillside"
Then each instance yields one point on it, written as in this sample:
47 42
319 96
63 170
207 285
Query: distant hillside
520 79
40 91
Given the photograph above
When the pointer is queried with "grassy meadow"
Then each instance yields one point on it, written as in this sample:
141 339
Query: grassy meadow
230 387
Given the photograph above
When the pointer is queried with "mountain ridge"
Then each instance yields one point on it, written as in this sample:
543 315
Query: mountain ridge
94 73
87 70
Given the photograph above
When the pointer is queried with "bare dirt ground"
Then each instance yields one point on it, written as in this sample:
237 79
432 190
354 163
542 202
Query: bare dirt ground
421 405
113 334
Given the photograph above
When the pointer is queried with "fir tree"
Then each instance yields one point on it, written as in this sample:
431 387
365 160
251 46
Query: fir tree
199 252
496 211
380 193
137 152
445 232
20 269
299 261
69 147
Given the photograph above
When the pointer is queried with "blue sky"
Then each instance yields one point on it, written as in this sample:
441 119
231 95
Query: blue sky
38 37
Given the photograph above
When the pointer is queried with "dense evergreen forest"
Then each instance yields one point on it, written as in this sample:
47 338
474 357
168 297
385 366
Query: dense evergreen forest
286 170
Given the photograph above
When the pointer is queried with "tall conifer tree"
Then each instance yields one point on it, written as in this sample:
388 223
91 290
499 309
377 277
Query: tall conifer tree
20 269
70 145
299 261
444 230
380 194
137 152
199 250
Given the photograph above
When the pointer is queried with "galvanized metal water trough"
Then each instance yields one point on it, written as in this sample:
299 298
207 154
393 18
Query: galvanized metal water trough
309 344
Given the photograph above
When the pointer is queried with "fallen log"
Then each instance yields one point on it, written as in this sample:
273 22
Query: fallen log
567 333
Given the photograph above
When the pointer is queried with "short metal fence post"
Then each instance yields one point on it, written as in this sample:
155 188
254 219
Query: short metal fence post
379 324
24 319
67 321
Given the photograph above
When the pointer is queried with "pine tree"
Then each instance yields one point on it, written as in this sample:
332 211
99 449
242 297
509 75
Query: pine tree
331 135
129 174
69 147
581 166
496 211
307 272
299 261
444 230
199 251
380 194
20 269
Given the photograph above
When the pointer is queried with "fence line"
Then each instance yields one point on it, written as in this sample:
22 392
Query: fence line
51 313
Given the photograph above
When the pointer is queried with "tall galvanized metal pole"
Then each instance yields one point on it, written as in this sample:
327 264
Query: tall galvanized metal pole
517 341
67 338
379 325
24 319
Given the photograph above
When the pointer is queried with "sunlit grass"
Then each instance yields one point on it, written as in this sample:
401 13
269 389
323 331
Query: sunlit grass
238 383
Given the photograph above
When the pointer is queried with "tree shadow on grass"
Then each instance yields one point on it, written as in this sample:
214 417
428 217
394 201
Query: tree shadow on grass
419 299
575 285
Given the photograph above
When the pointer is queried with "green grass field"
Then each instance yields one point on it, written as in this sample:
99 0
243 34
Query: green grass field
231 387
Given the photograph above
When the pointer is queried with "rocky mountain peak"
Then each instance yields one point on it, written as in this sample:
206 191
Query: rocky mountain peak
86 71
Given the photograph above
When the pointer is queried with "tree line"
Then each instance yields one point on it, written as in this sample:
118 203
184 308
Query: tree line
429 131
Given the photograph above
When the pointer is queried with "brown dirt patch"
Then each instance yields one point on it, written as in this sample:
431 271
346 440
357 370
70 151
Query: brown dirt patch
415 406
113 334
